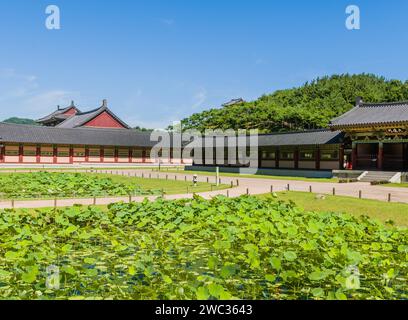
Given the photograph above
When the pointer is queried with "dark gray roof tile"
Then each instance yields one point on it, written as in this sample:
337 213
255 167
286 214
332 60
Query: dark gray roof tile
15 133
312 137
57 114
373 114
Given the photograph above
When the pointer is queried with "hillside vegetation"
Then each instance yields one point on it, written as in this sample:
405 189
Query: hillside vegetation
310 106
17 120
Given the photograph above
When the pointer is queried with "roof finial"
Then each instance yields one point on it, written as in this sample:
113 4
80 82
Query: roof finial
359 101
104 103
72 103
58 107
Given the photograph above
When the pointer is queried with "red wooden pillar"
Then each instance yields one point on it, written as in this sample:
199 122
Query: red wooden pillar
296 156
2 152
130 155
317 158
86 154
380 160
38 154
341 157
277 155
55 154
354 156
144 155
20 153
116 154
71 154
102 154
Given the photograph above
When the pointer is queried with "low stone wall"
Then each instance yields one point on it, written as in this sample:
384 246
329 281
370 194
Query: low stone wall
347 174
269 172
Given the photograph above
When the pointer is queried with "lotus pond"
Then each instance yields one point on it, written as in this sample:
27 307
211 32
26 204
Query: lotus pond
76 185
243 248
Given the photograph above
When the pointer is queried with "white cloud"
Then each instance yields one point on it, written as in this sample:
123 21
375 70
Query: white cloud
12 74
45 101
21 95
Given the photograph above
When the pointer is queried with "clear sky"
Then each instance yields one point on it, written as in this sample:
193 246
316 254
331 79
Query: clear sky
159 61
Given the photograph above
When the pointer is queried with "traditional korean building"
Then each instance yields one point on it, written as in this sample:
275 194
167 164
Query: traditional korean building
378 134
68 136
368 137
71 117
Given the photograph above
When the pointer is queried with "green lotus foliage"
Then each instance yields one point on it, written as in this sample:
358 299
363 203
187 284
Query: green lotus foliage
243 248
52 184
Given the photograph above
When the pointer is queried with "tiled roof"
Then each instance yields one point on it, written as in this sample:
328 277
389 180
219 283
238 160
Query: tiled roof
83 117
312 137
373 114
16 133
57 114
233 102
299 138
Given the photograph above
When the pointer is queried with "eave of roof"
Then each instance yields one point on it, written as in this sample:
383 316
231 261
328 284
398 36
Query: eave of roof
302 138
373 114
16 133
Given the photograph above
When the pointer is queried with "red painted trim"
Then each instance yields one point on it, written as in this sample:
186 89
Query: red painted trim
71 111
103 120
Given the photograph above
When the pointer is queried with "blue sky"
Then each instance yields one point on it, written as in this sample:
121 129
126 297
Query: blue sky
160 61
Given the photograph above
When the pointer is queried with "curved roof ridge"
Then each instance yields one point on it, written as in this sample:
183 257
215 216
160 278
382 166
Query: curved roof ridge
295 132
379 104
91 111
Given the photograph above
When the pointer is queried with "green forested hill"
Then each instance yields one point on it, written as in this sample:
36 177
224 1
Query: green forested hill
307 107
20 121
